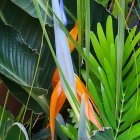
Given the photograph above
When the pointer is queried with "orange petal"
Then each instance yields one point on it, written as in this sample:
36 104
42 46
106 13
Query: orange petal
91 115
55 78
74 34
81 89
57 100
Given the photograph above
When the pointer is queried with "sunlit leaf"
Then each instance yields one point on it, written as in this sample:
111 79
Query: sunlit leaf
131 133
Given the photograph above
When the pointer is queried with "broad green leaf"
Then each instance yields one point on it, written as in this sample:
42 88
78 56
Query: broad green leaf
131 133
59 132
67 132
18 63
31 32
28 6
16 131
105 134
73 130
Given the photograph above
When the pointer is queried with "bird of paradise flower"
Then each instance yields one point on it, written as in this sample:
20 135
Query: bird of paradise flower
60 92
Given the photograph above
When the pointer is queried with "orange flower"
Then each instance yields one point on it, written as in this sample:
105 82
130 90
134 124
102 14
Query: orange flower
74 34
58 98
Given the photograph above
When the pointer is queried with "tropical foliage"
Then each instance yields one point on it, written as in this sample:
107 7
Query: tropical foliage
72 67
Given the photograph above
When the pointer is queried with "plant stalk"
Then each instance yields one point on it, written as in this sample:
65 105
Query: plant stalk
80 17
87 35
120 48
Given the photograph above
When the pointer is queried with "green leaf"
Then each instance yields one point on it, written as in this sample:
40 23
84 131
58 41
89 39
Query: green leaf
70 131
94 94
109 31
133 60
67 132
127 43
113 58
130 47
59 131
31 33
94 63
130 120
5 122
135 69
108 111
105 134
28 7
18 131
130 133
102 40
97 48
110 77
107 88
18 63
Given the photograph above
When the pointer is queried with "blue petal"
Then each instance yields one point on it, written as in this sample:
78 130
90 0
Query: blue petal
64 18
62 50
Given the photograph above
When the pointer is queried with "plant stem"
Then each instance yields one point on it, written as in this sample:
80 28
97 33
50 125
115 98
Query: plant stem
120 117
70 14
111 5
130 11
19 116
120 48
80 17
87 35
34 78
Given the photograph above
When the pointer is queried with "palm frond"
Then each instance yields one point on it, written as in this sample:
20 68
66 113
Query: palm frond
104 89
